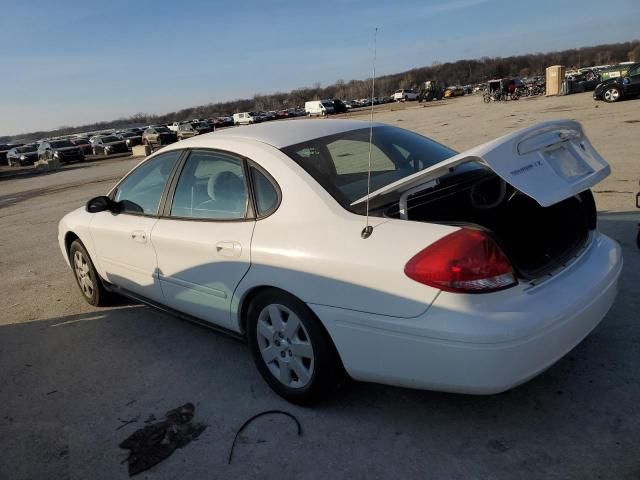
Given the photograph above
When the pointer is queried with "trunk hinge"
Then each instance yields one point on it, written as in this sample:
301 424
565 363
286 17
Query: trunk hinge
404 198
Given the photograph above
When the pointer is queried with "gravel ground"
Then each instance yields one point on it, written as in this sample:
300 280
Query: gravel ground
71 374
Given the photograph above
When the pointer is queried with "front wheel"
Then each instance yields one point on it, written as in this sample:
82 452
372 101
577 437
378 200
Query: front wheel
86 276
291 349
611 94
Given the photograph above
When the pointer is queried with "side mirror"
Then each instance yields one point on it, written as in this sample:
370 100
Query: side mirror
99 204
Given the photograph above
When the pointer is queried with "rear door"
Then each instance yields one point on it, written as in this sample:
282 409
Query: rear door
549 162
203 241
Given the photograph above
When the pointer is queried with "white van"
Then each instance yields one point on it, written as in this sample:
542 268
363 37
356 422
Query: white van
245 118
318 107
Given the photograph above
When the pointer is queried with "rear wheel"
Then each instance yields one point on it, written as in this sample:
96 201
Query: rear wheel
611 94
86 276
291 349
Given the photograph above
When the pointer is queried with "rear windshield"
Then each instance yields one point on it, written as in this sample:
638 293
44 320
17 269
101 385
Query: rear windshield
340 162
109 139
81 141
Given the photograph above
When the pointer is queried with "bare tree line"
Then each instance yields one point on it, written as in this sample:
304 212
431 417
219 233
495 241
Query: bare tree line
460 72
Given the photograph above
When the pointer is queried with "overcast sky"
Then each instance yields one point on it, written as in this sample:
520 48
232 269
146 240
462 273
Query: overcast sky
73 62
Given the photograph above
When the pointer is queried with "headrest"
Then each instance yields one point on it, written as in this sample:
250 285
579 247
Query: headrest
225 184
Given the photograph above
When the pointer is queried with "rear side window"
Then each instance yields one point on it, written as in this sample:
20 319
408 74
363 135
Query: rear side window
211 186
265 193
142 190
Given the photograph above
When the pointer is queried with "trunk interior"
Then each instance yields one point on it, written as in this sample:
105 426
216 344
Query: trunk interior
537 239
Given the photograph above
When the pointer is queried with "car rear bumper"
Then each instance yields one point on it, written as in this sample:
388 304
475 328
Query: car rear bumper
481 344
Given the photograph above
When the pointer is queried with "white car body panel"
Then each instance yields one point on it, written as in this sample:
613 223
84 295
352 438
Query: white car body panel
480 344
200 264
123 248
386 327
549 162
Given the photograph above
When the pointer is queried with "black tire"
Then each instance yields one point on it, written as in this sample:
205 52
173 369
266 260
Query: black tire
98 296
327 372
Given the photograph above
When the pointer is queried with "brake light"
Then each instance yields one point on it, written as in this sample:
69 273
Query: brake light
466 261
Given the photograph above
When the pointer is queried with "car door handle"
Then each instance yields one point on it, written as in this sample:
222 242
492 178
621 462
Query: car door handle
139 236
228 249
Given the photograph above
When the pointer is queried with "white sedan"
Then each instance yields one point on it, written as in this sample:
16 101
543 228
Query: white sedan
472 273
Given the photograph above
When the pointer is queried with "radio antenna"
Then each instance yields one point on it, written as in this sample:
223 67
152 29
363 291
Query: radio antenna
368 229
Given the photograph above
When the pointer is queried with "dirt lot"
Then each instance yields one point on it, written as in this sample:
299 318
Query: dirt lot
70 375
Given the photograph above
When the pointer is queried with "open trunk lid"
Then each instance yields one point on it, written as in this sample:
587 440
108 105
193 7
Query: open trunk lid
549 162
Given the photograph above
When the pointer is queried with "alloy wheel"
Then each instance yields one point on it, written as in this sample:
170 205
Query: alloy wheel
83 274
611 94
285 346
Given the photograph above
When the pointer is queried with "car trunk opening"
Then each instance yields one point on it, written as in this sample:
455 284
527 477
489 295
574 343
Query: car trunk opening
537 239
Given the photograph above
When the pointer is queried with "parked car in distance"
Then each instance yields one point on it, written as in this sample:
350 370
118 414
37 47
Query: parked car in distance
617 88
158 135
227 120
339 106
189 130
494 275
83 144
246 118
453 91
318 108
22 156
108 145
404 95
4 149
175 125
131 138
61 150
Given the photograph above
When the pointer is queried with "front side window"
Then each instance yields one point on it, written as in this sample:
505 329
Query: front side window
212 186
142 190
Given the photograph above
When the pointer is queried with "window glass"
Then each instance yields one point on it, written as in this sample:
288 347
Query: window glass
352 156
265 193
340 162
141 191
211 185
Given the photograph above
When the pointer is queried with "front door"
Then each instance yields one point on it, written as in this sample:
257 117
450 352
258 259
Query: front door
203 246
122 241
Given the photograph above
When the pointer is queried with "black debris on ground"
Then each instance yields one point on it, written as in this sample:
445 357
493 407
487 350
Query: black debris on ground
152 444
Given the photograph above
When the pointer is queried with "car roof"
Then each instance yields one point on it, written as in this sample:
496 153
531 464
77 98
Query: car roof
283 133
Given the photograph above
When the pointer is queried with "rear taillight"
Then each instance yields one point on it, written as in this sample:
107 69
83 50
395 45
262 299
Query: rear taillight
466 261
